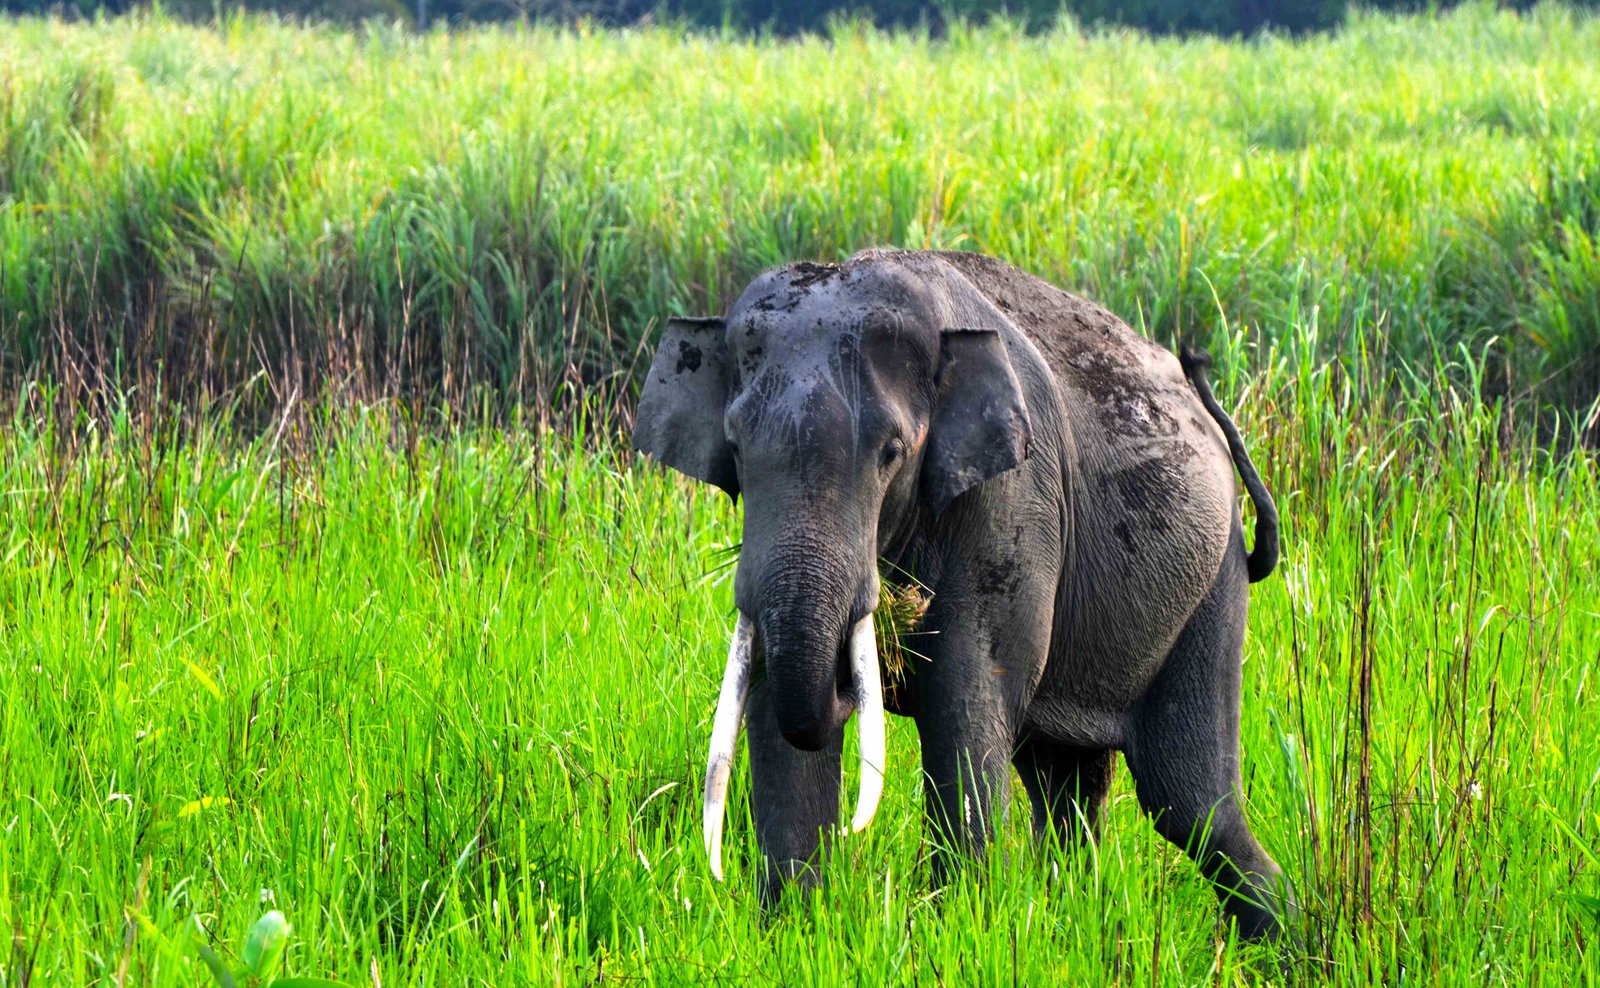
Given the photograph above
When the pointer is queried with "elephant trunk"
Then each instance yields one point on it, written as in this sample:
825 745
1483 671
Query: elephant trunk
804 642
867 691
806 583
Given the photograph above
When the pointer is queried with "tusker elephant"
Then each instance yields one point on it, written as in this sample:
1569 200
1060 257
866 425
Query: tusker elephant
1061 488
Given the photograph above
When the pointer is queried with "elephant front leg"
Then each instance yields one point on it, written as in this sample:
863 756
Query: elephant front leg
795 795
966 772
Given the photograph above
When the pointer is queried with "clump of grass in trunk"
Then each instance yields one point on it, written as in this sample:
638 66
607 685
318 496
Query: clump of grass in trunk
901 608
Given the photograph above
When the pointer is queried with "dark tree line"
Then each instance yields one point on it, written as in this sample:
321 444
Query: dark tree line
1228 17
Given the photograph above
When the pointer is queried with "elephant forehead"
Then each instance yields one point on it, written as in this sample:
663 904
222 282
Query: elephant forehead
818 322
840 342
803 399
803 285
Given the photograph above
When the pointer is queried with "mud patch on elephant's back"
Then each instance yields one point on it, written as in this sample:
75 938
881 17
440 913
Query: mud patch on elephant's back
804 274
1129 405
1151 494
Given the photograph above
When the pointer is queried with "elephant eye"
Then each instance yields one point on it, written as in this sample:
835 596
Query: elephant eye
892 451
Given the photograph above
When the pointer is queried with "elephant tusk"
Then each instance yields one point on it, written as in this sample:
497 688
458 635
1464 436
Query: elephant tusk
869 714
725 737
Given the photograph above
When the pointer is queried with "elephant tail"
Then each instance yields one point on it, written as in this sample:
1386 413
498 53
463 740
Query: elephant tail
1264 556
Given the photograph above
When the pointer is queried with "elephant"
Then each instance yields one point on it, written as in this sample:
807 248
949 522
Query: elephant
1062 490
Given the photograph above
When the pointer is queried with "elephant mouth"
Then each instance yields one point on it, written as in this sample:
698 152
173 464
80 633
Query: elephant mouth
812 713
857 679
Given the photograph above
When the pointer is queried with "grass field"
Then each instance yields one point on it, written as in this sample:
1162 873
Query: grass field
436 681
443 700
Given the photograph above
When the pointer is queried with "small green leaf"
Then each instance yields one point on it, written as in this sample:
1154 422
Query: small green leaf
263 948
204 679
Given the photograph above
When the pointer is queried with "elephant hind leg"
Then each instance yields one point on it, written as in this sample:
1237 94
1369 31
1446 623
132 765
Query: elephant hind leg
1067 787
1183 752
795 795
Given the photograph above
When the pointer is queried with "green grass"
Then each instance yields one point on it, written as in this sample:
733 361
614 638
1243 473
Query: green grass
447 692
360 638
379 213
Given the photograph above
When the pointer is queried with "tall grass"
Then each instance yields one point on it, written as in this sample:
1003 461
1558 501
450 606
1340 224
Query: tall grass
435 680
385 214
441 697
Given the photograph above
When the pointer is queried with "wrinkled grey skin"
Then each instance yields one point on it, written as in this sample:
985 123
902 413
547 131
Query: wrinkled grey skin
1057 483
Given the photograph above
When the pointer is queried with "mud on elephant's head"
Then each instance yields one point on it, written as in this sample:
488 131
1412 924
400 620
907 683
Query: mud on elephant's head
840 404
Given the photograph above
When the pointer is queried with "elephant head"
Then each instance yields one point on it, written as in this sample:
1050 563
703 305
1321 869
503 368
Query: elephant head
843 410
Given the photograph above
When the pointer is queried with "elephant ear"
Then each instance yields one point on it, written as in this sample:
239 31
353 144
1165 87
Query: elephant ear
980 428
680 412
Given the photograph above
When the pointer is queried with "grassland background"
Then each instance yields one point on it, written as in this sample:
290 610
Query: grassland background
437 682
380 213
